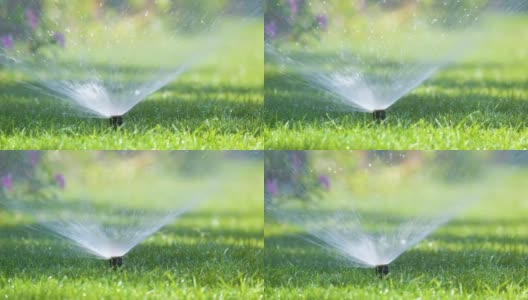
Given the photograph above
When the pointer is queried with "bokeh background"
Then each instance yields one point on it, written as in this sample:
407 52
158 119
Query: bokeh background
476 75
124 44
214 250
479 252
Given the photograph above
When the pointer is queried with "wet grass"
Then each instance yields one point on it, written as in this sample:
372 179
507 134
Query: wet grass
217 106
481 254
479 103
213 252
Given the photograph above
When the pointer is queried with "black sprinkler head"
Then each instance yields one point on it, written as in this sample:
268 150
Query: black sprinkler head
115 262
379 115
116 121
382 270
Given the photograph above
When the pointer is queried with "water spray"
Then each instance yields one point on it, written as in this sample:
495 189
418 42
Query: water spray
116 122
104 232
105 87
115 262
379 115
382 270
357 78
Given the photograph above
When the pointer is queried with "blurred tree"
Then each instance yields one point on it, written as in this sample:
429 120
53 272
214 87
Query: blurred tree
26 172
23 20
456 166
516 158
292 19
17 17
290 174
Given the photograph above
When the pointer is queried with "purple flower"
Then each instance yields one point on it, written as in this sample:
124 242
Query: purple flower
7 41
272 187
32 18
59 39
33 157
296 161
270 29
322 21
6 181
294 6
59 179
324 181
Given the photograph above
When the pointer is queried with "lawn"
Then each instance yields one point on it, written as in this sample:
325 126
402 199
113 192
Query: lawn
214 106
212 252
478 103
480 254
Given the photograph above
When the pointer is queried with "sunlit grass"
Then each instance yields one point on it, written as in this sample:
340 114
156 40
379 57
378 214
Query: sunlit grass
213 252
215 106
480 254
478 103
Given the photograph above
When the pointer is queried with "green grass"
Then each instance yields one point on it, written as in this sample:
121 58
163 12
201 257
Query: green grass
479 103
213 252
481 254
216 106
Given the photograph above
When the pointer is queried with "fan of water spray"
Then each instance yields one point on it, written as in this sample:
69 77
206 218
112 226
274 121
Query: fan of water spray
368 54
370 207
106 203
106 59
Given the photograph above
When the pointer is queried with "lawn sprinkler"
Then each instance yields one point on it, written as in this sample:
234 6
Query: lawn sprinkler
379 115
115 262
116 121
382 270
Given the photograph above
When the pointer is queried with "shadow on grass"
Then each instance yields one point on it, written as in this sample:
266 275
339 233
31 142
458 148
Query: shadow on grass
374 65
232 251
291 262
187 106
32 90
471 86
379 222
35 231
491 103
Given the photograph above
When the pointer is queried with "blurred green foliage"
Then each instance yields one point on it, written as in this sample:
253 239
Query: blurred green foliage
288 173
302 21
14 16
305 175
183 14
291 18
